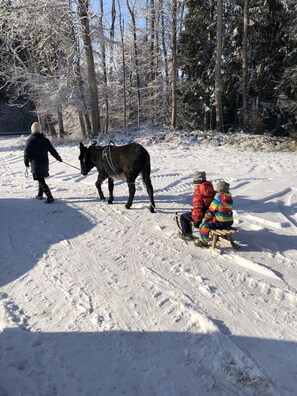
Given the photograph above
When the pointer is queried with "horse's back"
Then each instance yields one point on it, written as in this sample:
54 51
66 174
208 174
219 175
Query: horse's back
127 156
133 151
134 147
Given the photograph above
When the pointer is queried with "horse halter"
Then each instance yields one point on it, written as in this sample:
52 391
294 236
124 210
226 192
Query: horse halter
84 167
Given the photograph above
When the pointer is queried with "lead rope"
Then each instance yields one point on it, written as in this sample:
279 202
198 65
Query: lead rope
72 166
27 168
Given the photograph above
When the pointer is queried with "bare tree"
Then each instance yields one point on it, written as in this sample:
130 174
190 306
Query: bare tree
78 86
83 6
36 58
112 36
136 60
104 66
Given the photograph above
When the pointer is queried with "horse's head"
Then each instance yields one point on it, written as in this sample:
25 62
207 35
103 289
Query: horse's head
86 163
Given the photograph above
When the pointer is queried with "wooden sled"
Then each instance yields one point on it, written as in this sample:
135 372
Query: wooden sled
225 236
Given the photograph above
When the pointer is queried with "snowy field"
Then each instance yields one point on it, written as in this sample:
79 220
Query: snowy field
98 300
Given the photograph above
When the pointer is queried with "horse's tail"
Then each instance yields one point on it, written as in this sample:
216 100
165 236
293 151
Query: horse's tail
146 177
146 169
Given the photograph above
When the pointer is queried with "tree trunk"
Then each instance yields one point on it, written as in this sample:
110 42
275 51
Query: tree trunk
84 118
111 36
91 73
152 62
135 60
245 65
209 91
218 83
174 66
122 31
51 125
61 132
166 70
103 52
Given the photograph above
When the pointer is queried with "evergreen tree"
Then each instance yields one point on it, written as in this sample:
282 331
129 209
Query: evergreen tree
269 48
196 62
270 81
287 90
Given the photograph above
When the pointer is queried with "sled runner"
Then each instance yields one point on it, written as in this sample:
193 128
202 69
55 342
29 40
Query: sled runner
176 218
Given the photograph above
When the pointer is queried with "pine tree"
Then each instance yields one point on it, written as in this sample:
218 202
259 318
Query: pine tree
196 62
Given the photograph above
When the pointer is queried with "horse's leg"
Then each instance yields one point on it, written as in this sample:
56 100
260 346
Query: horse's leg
110 189
131 185
98 183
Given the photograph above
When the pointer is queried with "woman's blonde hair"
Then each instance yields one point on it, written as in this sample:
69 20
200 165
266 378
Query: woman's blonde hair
35 127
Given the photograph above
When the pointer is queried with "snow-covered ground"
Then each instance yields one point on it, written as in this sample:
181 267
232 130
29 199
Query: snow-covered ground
99 300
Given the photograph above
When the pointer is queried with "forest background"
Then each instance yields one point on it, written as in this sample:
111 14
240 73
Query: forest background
104 65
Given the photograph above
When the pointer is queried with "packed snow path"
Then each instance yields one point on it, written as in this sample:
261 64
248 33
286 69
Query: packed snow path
99 300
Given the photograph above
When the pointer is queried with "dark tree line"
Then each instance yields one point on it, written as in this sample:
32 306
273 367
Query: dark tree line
258 66
196 64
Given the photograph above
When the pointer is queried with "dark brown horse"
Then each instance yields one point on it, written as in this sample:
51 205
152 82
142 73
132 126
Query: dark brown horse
118 162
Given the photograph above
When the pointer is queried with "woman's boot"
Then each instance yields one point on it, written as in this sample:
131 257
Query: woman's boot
48 193
40 193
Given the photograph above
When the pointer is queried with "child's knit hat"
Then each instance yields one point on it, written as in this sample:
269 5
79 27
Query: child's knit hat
222 187
199 177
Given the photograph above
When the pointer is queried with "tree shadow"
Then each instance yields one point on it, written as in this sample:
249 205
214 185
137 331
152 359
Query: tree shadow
29 228
145 363
12 149
261 205
265 240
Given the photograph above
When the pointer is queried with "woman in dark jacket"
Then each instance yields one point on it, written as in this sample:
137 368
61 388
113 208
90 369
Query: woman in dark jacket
36 155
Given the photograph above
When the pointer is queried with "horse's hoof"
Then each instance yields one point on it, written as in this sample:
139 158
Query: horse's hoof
102 199
110 201
128 206
152 209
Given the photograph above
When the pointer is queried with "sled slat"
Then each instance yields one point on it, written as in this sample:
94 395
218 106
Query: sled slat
223 235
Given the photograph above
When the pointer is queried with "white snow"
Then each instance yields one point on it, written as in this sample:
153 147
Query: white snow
96 299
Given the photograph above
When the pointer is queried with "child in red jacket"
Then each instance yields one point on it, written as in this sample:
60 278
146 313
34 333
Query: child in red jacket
219 214
203 195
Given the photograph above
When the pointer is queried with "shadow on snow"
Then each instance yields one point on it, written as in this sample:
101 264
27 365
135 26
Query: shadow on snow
145 363
29 228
